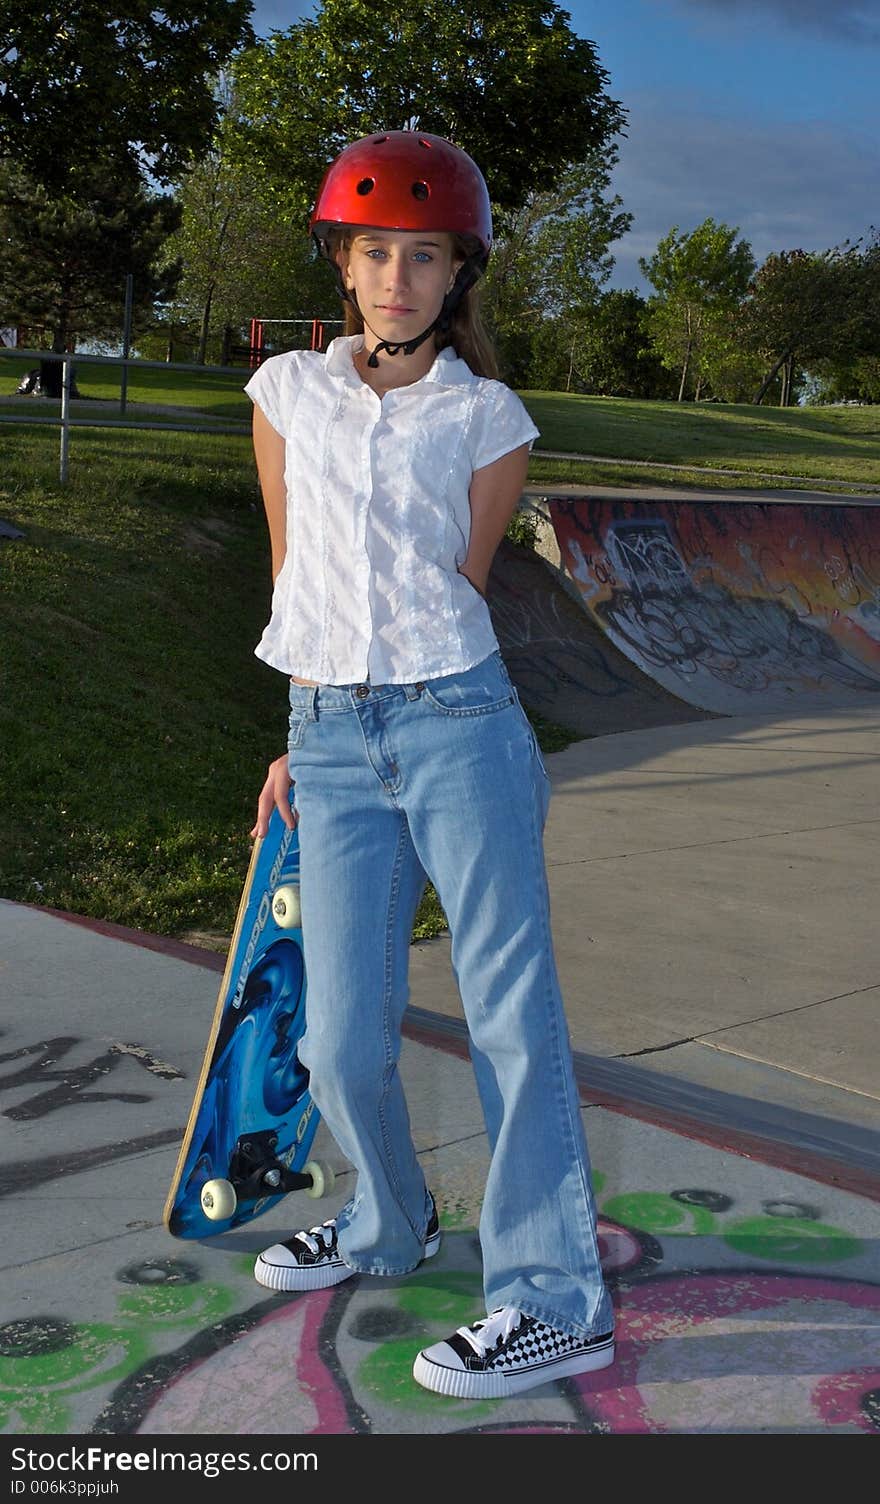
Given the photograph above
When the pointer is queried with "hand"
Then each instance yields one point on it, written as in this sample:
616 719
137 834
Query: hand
275 793
480 589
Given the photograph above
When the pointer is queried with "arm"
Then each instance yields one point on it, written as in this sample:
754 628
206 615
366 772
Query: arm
269 454
494 496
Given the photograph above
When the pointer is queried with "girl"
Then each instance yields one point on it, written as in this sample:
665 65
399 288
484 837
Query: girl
390 467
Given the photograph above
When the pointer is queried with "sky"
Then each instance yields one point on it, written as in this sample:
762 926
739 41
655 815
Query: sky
761 114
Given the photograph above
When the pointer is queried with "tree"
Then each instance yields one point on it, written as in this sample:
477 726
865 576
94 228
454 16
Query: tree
67 255
239 259
550 260
76 82
855 381
699 279
790 306
805 308
613 356
506 79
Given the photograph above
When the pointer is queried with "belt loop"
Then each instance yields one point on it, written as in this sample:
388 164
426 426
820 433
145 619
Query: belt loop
313 704
413 691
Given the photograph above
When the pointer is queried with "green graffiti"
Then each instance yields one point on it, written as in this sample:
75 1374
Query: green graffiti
43 1360
650 1211
598 1180
434 1302
34 1414
388 1372
446 1296
176 1305
782 1238
456 1218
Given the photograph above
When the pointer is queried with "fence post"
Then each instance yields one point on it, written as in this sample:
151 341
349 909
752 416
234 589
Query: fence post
126 343
67 368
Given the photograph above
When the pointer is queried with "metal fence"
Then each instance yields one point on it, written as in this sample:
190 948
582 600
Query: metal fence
65 421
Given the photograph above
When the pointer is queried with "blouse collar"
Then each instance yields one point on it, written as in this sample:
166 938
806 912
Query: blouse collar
448 368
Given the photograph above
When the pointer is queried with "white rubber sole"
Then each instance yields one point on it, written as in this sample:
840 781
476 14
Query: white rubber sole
318 1276
464 1385
293 1277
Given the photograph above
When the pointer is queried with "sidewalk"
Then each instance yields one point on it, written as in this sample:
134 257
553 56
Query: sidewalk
712 889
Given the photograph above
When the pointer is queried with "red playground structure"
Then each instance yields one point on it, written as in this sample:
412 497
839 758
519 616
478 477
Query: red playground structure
258 350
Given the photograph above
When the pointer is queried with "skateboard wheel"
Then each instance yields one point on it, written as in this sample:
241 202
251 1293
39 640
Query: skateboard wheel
286 909
218 1200
323 1178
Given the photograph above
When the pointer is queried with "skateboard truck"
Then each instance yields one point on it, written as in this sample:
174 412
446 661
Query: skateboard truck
255 1172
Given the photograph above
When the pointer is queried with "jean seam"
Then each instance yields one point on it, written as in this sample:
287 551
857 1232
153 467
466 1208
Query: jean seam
564 1104
393 895
463 711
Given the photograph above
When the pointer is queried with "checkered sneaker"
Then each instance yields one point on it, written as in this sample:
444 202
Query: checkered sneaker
505 1353
312 1261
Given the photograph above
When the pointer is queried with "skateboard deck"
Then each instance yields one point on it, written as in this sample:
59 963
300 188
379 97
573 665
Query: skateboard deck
253 1120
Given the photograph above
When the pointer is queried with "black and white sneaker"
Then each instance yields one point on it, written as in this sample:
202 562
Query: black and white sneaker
312 1261
506 1352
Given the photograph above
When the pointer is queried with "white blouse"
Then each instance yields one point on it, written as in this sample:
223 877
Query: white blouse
378 515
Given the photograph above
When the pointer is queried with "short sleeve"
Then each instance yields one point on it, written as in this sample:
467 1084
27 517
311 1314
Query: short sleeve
265 389
502 424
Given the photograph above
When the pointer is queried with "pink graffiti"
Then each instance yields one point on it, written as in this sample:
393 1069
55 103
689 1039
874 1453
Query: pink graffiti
619 1249
299 1394
740 1352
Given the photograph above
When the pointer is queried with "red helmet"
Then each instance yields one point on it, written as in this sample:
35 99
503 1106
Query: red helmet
405 180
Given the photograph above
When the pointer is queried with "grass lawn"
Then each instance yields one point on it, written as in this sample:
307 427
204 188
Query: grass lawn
206 394
822 444
827 446
135 722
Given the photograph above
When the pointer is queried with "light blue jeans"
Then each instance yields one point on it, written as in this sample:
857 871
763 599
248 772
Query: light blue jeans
443 778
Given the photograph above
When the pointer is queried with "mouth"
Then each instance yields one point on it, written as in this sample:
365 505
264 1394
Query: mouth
396 310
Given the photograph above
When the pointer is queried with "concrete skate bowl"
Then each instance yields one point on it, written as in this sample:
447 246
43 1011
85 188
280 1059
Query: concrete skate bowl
733 608
562 662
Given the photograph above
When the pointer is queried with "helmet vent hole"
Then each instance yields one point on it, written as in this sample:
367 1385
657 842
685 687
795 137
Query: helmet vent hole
379 140
420 191
365 186
425 144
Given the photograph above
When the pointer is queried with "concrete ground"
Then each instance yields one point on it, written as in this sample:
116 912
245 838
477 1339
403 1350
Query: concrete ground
712 888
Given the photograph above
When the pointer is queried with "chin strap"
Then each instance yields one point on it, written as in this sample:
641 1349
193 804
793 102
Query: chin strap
468 273
408 347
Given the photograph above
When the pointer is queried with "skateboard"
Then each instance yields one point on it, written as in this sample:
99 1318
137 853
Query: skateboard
252 1123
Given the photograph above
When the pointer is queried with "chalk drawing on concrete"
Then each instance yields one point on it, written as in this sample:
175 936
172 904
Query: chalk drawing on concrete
808 1346
708 1340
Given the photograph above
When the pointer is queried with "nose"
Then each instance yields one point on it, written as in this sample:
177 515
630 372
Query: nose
397 270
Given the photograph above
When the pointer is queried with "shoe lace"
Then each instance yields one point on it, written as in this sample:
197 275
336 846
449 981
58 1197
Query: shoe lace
485 1335
320 1239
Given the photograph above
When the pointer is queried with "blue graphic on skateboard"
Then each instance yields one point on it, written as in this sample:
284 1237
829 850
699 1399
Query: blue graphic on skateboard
253 1120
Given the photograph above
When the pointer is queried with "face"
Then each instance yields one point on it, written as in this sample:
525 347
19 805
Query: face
400 278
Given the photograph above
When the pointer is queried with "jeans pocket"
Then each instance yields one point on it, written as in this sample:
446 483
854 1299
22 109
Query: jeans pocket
538 754
476 691
296 730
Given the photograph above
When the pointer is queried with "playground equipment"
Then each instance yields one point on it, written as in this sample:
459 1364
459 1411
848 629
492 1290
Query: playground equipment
257 352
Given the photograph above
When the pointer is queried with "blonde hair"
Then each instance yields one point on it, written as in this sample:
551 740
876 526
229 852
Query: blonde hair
465 331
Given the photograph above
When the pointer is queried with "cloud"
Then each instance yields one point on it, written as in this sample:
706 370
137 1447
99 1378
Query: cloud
785 186
839 20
